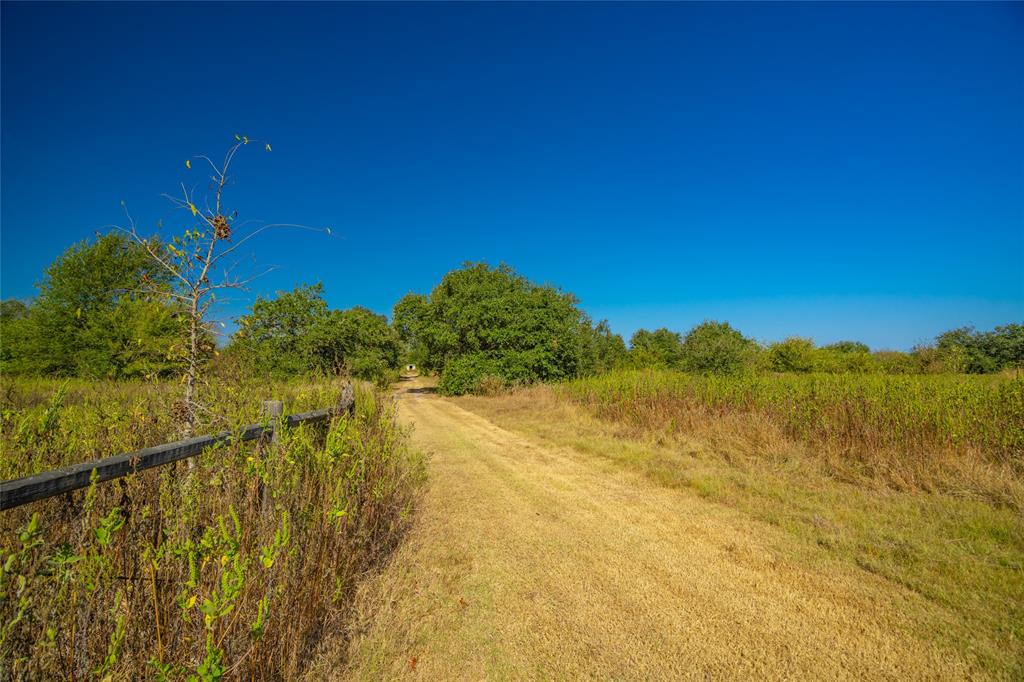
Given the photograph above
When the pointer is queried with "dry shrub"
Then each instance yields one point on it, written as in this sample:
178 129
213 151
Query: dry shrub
489 384
180 572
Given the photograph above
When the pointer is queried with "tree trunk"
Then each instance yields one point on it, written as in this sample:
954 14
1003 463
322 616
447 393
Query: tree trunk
188 430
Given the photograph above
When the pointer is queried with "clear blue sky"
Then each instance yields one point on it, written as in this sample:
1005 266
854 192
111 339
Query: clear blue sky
829 170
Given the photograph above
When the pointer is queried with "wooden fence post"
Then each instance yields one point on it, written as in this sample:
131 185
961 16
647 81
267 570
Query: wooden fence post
347 402
273 409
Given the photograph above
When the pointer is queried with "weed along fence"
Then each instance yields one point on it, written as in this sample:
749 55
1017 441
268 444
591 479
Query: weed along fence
19 491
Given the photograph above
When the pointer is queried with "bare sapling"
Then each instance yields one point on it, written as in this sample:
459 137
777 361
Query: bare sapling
203 262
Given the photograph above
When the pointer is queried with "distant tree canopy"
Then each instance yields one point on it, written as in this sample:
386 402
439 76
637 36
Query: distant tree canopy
660 348
606 347
974 352
296 333
709 348
490 322
716 348
408 317
92 319
847 347
101 313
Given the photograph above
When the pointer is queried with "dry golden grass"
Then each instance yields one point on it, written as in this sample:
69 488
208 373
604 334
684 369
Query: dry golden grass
542 557
959 434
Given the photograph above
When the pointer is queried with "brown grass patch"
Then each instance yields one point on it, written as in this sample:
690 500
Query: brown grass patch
539 553
962 554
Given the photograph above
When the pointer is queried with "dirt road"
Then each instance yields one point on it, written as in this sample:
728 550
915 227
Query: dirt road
532 561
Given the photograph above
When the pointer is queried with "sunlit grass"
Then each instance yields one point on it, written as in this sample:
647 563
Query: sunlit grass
949 535
179 571
958 433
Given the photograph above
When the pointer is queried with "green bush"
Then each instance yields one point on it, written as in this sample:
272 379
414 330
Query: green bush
662 349
792 355
896 362
716 348
833 361
974 352
465 373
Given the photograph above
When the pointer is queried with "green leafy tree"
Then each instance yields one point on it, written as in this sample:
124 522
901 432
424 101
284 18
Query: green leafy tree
963 350
716 348
1005 346
97 314
274 336
491 320
661 348
607 348
295 333
967 350
355 341
409 317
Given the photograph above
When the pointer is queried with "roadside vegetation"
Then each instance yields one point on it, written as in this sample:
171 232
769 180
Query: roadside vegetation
180 572
952 433
242 562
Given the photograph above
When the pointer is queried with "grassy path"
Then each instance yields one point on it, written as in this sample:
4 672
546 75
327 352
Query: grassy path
530 560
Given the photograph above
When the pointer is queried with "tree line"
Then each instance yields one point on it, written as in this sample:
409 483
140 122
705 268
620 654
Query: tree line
99 314
717 348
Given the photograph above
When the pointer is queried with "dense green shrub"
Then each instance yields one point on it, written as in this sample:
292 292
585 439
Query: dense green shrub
792 355
833 361
661 348
847 347
974 352
716 348
464 373
896 362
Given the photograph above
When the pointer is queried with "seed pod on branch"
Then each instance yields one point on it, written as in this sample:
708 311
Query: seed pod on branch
221 228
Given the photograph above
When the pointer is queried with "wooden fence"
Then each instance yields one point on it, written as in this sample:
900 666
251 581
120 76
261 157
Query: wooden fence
40 486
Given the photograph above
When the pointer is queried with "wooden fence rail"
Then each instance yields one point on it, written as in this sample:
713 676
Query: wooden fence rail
19 491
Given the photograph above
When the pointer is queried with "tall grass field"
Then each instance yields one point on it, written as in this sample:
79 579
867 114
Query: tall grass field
914 480
958 433
182 572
